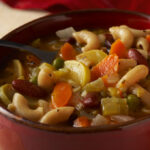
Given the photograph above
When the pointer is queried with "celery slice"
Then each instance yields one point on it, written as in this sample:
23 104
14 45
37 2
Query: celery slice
6 93
114 106
95 86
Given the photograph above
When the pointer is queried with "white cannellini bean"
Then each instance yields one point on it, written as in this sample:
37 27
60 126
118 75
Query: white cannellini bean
133 76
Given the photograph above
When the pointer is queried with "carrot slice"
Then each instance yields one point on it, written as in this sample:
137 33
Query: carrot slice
67 52
107 66
61 94
148 38
82 122
119 49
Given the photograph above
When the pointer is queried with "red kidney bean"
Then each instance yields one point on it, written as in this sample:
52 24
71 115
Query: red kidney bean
28 89
71 40
134 54
91 100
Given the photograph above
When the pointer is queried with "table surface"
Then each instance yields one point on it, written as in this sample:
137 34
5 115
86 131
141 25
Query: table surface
12 18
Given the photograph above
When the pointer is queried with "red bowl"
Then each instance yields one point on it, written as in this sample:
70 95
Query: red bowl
21 134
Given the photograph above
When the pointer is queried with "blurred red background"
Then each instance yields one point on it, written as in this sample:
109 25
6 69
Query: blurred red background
63 5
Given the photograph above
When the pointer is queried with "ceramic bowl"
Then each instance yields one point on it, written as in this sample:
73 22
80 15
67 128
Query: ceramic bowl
20 134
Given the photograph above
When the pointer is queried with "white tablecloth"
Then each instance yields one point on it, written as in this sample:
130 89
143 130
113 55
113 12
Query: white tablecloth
13 18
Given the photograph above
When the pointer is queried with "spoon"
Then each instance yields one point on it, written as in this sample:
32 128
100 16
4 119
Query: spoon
45 56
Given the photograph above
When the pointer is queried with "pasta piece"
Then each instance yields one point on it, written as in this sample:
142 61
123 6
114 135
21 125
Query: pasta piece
58 115
133 76
126 64
124 34
91 39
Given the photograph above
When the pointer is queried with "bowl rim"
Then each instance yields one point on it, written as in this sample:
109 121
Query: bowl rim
40 19
61 129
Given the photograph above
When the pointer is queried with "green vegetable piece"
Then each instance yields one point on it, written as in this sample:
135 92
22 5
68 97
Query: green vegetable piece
104 93
91 58
114 106
114 92
32 103
58 63
34 80
95 86
34 75
133 102
6 93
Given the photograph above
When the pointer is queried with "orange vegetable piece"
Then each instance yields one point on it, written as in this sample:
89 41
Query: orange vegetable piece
148 38
119 49
106 82
107 66
67 52
82 122
61 94
104 78
121 94
52 106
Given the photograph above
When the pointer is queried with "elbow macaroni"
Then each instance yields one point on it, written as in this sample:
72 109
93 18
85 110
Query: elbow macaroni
22 108
124 34
91 39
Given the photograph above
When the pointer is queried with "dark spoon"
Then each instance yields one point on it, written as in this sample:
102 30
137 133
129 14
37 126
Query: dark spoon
45 56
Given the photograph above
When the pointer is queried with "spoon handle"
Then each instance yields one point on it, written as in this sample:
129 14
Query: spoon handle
43 55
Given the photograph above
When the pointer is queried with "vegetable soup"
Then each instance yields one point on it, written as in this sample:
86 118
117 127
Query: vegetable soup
99 77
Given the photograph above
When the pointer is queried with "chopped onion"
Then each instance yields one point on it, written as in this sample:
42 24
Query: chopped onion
113 78
99 120
121 118
84 93
75 101
66 33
